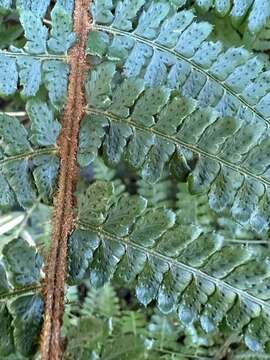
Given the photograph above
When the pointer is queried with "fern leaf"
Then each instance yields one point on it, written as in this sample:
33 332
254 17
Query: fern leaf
21 307
148 147
33 65
27 314
250 15
62 37
257 11
102 302
127 345
21 304
19 178
42 118
162 195
8 84
194 209
163 100
133 322
189 50
165 114
101 171
35 32
68 5
5 4
102 11
16 254
262 42
159 335
194 273
39 8
163 332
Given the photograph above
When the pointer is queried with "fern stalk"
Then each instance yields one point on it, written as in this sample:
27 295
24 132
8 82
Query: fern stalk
64 200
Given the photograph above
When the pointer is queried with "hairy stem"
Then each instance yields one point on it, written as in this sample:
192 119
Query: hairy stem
64 201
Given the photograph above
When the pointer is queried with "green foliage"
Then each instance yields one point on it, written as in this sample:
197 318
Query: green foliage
23 236
21 305
249 17
256 11
19 146
33 82
61 34
28 163
181 267
181 100
125 333
37 7
20 315
37 62
32 226
173 185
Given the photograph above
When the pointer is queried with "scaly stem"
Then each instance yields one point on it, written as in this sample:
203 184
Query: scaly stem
64 201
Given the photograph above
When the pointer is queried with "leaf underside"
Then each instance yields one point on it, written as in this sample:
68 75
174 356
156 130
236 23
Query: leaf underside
181 266
33 87
169 105
156 98
161 95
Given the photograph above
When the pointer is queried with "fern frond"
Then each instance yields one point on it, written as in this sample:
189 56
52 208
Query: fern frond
248 16
91 334
102 302
162 195
209 169
28 170
165 103
33 82
255 13
182 268
102 171
164 332
42 59
28 162
181 100
21 305
133 322
194 209
39 8
262 42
